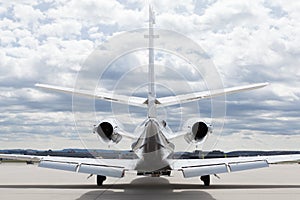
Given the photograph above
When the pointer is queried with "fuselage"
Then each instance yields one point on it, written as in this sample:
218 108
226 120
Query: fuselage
152 147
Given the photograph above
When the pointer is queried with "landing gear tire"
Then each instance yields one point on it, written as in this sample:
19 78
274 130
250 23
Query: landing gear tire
100 180
206 180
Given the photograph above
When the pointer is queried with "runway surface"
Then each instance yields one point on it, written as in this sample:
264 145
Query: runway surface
21 181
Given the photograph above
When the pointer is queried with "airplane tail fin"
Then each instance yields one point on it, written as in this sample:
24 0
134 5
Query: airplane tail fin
151 74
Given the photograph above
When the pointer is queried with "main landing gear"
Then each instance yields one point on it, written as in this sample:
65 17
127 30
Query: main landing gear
100 180
205 179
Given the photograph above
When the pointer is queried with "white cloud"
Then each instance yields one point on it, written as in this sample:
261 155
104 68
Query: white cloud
61 29
29 42
27 15
286 92
3 10
48 41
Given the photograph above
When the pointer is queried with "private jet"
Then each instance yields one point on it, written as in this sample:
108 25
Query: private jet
153 145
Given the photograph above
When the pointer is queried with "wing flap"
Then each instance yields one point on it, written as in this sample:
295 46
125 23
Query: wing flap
234 167
189 172
59 165
102 170
105 167
117 172
200 167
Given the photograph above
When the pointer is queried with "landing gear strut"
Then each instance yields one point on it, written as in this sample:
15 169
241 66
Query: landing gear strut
205 179
100 180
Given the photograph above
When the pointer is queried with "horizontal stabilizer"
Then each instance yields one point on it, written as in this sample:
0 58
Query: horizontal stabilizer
134 101
185 98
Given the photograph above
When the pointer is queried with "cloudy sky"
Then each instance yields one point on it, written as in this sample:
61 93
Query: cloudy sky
48 41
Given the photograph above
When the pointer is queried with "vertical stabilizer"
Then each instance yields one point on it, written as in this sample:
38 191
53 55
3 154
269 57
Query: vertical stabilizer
151 76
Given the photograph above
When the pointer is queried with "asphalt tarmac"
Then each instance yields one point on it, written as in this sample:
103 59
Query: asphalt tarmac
21 181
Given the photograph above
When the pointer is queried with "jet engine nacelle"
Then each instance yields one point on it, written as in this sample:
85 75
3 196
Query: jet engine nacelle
108 130
197 132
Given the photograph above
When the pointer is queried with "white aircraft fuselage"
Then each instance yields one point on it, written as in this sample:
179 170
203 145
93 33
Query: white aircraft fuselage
152 147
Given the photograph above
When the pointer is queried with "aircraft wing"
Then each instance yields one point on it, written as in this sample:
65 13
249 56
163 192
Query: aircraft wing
201 167
104 167
185 98
134 101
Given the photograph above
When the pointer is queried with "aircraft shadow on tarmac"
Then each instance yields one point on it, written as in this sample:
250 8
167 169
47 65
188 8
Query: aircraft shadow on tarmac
160 188
149 188
154 183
